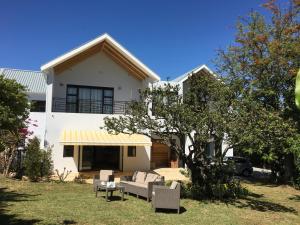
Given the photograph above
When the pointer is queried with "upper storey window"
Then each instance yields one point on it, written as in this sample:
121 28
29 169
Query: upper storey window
85 99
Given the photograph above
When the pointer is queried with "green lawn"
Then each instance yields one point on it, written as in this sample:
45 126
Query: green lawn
51 203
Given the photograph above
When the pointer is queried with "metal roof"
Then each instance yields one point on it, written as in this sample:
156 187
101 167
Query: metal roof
34 81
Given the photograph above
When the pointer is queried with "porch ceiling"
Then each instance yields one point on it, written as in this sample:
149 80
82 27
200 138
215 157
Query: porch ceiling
101 138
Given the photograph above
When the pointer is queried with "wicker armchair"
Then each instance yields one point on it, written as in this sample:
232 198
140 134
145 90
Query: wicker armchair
166 197
104 176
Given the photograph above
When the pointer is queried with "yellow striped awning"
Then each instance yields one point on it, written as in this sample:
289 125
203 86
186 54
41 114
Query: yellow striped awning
94 137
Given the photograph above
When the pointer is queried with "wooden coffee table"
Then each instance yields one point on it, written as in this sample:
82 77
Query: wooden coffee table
101 187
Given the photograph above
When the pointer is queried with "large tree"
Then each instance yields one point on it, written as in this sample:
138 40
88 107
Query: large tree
261 66
14 110
194 120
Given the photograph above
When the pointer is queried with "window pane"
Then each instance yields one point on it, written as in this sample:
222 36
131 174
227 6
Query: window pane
72 90
84 93
84 100
71 107
68 151
107 101
71 99
108 93
131 151
96 100
38 106
107 109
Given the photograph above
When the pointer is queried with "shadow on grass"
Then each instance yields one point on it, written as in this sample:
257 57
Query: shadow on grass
113 198
171 211
256 202
295 198
69 222
262 205
259 181
7 197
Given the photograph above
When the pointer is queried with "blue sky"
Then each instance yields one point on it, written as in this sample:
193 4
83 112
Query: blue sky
169 36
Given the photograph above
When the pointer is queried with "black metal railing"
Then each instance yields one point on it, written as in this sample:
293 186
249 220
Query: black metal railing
89 106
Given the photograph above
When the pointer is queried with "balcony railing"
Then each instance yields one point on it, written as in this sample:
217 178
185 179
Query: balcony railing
89 106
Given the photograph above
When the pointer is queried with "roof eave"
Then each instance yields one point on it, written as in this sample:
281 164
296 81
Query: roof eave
94 42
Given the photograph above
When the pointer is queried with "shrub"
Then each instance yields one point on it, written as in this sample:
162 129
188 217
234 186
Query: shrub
220 183
37 162
63 175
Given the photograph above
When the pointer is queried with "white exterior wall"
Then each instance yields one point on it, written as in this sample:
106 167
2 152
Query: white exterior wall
100 71
37 125
140 162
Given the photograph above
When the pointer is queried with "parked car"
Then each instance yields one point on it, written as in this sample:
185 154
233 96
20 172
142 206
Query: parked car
242 165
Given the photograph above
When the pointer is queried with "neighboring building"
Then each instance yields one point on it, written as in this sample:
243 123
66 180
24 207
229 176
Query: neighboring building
81 88
35 82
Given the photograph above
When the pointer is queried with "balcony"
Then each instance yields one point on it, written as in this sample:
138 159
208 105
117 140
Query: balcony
89 106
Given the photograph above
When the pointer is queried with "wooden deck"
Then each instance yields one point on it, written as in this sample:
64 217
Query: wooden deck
168 173
88 175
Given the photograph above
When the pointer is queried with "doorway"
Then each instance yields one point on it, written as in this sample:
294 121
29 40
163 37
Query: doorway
100 157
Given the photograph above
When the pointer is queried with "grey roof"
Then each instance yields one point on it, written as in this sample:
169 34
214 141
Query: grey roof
35 81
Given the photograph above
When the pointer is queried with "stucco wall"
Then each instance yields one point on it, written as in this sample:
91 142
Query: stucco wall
140 162
37 125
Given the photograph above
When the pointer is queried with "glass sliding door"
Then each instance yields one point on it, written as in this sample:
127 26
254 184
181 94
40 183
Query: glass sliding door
85 99
96 100
87 157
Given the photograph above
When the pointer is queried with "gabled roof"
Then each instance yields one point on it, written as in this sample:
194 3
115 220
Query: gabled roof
185 76
35 81
112 47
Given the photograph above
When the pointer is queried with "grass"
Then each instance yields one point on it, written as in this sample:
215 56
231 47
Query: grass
51 203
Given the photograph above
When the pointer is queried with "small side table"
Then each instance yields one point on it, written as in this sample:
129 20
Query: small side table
119 187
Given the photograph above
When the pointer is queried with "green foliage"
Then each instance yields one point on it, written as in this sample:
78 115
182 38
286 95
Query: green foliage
201 116
260 68
297 90
221 191
37 162
14 111
14 107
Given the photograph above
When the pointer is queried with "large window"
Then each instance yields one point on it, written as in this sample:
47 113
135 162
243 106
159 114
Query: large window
84 99
38 106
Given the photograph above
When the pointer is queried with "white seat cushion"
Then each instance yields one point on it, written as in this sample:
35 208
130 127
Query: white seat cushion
140 177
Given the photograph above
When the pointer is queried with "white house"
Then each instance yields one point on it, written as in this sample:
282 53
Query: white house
80 88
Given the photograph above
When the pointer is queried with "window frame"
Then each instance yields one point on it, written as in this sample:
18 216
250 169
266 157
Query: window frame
103 100
133 153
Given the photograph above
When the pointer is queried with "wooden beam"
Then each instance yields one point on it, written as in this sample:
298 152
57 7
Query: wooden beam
126 61
122 64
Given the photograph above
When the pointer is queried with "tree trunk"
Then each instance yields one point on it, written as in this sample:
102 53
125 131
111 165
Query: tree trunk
8 160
